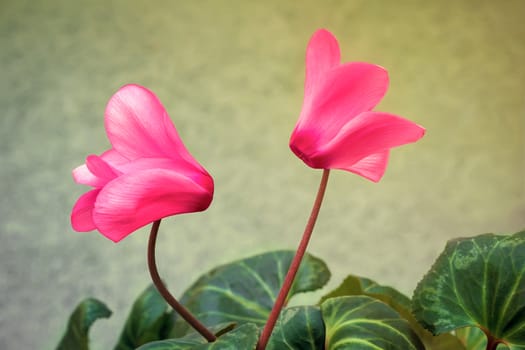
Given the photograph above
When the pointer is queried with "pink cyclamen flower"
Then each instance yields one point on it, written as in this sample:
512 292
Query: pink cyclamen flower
147 174
337 128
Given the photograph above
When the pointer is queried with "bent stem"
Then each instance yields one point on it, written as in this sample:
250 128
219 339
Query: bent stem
170 299
294 266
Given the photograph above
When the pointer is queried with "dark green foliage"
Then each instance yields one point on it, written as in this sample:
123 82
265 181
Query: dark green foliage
354 285
361 322
298 327
477 282
243 337
76 335
147 321
245 290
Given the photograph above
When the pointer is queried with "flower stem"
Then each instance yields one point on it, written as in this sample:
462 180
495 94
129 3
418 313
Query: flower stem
170 299
294 266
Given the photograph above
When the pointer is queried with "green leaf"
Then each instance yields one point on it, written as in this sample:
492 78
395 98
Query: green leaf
76 335
171 344
245 290
477 282
146 322
299 327
361 322
188 341
354 285
473 338
244 337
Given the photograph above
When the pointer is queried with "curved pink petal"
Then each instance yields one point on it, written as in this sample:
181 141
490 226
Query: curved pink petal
114 159
322 54
139 198
138 126
82 213
120 165
199 175
344 92
101 169
366 134
110 162
371 167
82 175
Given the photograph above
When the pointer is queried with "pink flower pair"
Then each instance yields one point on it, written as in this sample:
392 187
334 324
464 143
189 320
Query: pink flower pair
148 174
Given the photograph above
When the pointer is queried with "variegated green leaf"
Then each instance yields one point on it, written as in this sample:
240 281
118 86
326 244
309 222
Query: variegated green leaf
172 344
473 338
76 335
189 340
354 285
245 290
299 327
244 337
147 321
477 282
362 323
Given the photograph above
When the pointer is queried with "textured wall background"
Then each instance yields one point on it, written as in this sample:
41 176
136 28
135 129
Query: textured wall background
230 73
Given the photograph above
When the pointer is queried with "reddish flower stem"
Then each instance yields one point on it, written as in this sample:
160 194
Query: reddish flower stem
170 299
294 266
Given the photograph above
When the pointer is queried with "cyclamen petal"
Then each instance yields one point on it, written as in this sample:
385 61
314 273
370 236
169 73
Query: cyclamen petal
83 175
336 127
322 54
82 213
98 167
147 175
366 134
342 94
138 126
371 167
139 198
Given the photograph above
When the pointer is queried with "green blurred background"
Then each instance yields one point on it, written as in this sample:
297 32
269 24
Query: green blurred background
230 73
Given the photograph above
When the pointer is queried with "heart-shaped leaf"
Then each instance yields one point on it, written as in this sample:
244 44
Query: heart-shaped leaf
361 322
147 321
172 344
299 327
76 335
244 337
245 290
188 341
354 285
477 282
